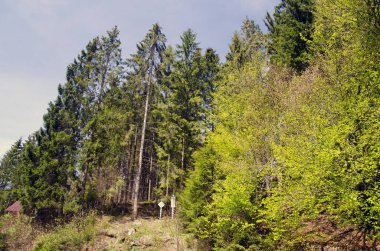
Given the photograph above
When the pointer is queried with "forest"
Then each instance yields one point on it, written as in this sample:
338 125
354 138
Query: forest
277 147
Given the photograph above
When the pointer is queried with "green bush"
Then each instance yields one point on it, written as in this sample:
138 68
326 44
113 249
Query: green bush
71 236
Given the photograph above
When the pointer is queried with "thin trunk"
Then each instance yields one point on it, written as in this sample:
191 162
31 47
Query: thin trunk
131 167
183 154
157 183
141 153
167 176
150 178
126 169
182 161
84 184
150 170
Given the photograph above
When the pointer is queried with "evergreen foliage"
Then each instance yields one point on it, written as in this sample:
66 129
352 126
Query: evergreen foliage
290 32
119 131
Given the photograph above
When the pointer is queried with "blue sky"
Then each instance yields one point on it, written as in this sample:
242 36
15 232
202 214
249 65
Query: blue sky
39 38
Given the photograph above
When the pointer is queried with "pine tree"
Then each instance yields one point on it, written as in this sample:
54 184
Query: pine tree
145 65
290 31
245 43
9 167
10 174
28 192
100 66
193 84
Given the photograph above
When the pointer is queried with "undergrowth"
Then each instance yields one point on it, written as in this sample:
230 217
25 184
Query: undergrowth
71 236
16 233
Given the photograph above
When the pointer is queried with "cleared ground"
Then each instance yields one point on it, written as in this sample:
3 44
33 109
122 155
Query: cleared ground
122 233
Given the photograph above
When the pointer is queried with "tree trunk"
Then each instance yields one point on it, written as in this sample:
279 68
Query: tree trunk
133 167
150 178
141 153
167 177
150 170
182 162
183 155
84 185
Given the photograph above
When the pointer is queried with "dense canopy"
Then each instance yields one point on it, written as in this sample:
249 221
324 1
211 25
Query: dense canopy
277 148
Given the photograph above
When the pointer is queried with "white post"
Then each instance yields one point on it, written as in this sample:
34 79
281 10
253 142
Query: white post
172 204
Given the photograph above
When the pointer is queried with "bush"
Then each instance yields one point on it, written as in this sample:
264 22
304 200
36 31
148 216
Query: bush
71 236
16 233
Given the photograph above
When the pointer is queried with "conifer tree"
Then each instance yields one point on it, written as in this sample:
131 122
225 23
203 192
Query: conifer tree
28 192
100 66
290 29
193 84
9 167
10 174
245 43
145 65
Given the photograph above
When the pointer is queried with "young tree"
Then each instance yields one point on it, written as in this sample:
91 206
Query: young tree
245 43
10 174
229 179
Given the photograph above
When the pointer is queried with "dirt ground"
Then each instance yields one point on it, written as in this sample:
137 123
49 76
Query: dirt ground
122 233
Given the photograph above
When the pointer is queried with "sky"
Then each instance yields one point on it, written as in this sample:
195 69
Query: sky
40 38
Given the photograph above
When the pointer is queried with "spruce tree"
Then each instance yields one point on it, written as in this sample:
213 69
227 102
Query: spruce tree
10 174
100 66
245 43
290 30
9 167
193 84
145 65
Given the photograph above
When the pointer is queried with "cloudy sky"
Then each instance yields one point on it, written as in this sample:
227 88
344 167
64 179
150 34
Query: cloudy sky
39 38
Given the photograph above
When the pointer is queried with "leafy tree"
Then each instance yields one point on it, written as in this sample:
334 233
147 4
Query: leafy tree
230 176
346 40
325 145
